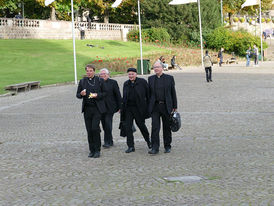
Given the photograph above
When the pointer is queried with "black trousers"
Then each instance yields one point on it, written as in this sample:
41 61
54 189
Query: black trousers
132 113
255 59
92 118
107 126
158 112
208 73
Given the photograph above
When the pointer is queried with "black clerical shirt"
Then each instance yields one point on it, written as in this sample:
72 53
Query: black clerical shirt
91 88
131 94
160 88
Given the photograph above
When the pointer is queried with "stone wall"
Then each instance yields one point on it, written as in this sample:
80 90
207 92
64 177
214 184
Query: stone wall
44 29
253 27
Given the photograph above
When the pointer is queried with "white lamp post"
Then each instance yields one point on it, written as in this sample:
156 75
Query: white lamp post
252 3
178 2
116 4
48 2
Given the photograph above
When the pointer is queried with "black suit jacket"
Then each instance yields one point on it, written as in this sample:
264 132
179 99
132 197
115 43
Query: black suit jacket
100 103
142 95
170 92
113 97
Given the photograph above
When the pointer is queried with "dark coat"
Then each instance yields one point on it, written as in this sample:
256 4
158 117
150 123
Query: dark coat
83 84
113 97
170 92
142 96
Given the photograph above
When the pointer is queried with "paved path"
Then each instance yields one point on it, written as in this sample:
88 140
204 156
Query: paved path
227 139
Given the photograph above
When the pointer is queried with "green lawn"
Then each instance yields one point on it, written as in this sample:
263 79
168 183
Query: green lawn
51 61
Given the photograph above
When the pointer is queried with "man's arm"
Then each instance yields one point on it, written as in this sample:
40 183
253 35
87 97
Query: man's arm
173 93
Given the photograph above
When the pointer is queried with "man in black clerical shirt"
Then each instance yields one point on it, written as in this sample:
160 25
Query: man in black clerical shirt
113 102
91 90
162 103
135 107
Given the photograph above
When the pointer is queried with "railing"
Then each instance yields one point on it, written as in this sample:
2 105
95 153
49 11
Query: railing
103 26
35 23
19 22
3 22
25 23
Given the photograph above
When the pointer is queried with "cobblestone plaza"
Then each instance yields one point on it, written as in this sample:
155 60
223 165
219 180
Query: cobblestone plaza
226 139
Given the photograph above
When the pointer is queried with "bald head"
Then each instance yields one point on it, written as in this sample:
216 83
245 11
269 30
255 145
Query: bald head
158 68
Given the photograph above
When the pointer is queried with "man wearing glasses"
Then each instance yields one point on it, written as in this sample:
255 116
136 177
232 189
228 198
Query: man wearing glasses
162 103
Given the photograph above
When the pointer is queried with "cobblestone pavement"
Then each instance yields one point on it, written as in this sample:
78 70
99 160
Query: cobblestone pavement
226 138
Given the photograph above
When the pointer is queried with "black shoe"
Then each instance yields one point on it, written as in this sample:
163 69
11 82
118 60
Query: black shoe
167 150
111 144
130 149
153 151
149 145
96 155
106 145
91 154
210 80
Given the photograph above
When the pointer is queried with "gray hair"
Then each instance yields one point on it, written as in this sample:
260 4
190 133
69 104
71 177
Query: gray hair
105 70
159 62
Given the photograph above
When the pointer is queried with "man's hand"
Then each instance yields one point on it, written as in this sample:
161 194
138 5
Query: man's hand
83 92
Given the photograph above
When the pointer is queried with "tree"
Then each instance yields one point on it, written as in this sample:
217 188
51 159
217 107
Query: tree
234 6
181 21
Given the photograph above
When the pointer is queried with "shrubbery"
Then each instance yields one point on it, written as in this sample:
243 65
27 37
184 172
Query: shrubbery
231 41
150 35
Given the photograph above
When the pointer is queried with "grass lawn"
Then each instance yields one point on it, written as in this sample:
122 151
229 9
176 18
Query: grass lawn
51 61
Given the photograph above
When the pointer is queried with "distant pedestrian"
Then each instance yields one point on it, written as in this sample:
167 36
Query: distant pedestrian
208 67
113 103
173 63
248 53
90 89
220 56
256 54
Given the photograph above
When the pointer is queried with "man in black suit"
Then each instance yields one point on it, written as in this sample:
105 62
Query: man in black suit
113 103
162 103
135 107
91 90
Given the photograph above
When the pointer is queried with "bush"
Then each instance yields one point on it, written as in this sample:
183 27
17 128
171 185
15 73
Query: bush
235 19
158 35
263 20
231 41
242 19
268 20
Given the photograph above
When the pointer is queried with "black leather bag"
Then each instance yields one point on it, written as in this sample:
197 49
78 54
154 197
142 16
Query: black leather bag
175 121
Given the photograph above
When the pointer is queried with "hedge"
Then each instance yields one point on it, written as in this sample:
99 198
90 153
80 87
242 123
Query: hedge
237 42
150 35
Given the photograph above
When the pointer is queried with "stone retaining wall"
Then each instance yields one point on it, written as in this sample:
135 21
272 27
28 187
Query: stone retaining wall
44 29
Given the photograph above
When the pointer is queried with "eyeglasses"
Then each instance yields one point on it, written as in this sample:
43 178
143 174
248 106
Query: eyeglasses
157 67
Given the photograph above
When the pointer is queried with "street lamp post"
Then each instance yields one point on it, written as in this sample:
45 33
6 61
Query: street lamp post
178 2
222 16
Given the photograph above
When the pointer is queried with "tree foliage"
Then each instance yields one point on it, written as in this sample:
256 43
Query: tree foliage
233 7
232 41
181 21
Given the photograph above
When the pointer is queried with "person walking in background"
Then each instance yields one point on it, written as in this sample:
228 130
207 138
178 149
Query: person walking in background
91 90
256 54
220 56
208 66
135 107
162 103
113 103
248 53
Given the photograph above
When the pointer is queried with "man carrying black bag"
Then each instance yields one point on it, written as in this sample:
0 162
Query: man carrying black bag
135 107
162 103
